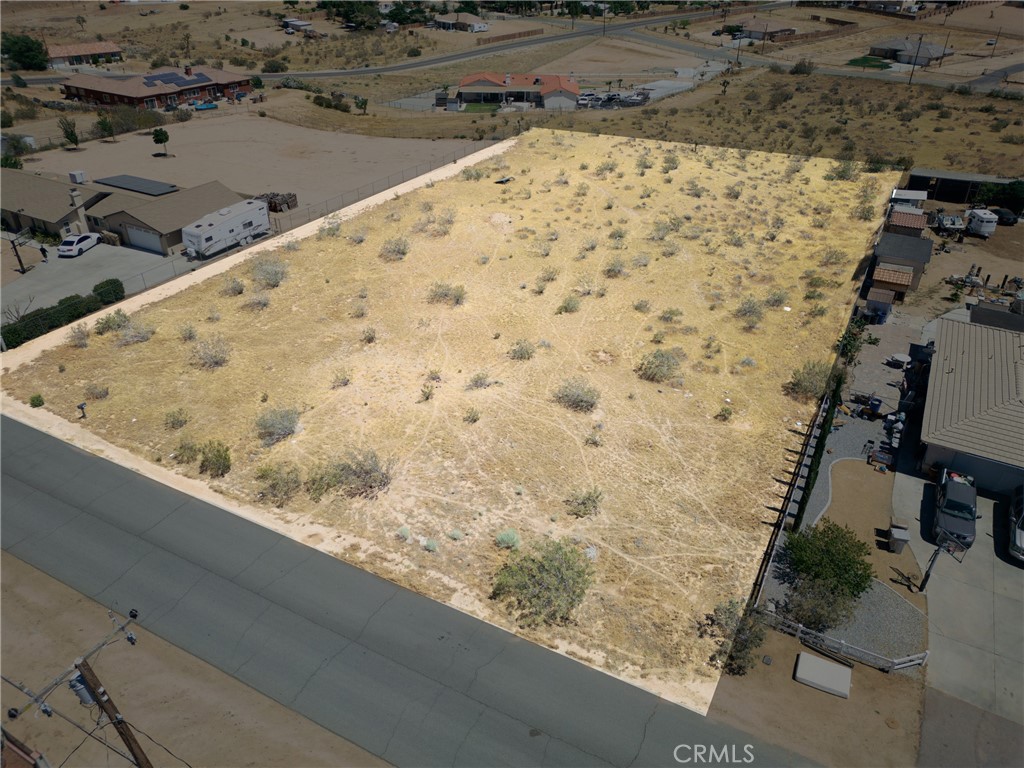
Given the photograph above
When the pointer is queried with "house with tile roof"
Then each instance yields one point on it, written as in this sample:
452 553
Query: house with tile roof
164 87
539 91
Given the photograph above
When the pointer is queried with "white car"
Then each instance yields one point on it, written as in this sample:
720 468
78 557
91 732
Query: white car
76 245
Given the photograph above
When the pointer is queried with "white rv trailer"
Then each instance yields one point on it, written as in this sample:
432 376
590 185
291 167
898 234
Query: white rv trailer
981 222
238 224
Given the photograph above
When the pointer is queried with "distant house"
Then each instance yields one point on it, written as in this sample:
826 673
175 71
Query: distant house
910 51
462 22
299 25
904 220
30 201
899 253
764 29
82 54
164 87
974 411
543 91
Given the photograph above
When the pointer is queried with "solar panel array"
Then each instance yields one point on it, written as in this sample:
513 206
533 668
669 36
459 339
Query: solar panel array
175 79
137 184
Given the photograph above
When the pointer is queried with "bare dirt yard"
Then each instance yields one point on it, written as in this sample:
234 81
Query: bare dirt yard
47 626
441 329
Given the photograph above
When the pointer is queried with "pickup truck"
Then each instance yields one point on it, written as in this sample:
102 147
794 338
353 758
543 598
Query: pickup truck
956 508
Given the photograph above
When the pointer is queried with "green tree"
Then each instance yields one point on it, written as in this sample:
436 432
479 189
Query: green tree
23 52
160 137
80 21
738 635
544 586
105 126
274 65
69 129
6 119
257 82
1005 195
832 555
10 161
361 103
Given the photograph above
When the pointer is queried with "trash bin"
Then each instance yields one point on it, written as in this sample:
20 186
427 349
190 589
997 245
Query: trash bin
898 538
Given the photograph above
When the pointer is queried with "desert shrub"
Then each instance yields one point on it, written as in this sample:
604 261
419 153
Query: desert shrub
724 413
257 302
776 298
211 353
456 535
364 474
809 381
115 321
329 229
186 452
96 391
430 545
642 305
109 291
176 419
445 293
187 332
472 174
369 335
570 304
269 271
274 425
36 401
215 459
340 379
232 286
670 315
803 67
279 481
545 586
577 395
507 539
658 366
750 311
135 332
738 635
403 533
479 381
614 268
522 350
78 336
584 503
394 249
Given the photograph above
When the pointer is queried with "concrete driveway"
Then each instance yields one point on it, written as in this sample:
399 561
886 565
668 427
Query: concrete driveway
975 608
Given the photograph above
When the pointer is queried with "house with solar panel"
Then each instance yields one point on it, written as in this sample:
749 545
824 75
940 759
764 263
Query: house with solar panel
166 87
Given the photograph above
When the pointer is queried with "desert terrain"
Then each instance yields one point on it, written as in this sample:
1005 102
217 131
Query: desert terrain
739 266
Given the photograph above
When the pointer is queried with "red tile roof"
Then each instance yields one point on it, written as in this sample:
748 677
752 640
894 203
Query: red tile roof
522 82
893 276
907 219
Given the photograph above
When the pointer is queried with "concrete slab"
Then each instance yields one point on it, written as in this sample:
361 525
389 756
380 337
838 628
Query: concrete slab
824 675
955 734
1009 678
962 671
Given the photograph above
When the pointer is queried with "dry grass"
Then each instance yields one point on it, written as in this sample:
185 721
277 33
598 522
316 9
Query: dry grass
680 529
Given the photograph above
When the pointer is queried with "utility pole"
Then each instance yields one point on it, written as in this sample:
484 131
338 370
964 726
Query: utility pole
765 38
110 710
998 32
945 47
913 64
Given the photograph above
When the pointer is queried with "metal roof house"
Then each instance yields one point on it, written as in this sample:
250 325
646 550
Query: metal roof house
910 51
974 410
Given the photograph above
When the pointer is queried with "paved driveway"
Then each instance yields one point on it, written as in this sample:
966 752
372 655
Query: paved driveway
975 608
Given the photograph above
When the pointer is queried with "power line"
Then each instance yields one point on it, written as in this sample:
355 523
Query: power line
90 733
165 749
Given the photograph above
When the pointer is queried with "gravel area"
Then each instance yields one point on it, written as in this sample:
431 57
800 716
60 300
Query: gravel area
886 624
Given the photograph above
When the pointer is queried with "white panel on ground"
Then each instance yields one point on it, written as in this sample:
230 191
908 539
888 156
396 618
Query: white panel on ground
824 675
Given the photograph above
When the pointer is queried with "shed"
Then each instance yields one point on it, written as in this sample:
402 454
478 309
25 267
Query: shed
893 277
905 251
297 24
912 197
879 305
951 186
902 221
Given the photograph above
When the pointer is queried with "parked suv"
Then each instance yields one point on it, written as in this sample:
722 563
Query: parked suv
956 508
1017 522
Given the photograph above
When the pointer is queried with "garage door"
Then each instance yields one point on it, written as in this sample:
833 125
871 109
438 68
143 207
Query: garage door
146 239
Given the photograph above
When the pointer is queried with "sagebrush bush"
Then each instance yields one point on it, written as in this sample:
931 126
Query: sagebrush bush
257 302
479 381
134 332
359 474
369 335
507 539
809 381
545 586
522 350
274 425
232 287
186 452
78 336
776 298
446 293
176 419
472 416
658 366
395 249
279 481
269 271
211 353
115 321
614 268
577 395
584 503
96 391
570 304
340 379
187 332
750 312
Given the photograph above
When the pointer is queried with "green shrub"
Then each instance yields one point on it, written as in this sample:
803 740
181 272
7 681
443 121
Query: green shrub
545 586
456 535
776 298
135 332
584 503
479 381
395 249
577 395
269 271
274 425
115 321
279 481
109 291
507 539
570 304
472 416
522 350
738 635
809 381
751 312
359 474
176 419
215 460
658 366
186 452
445 293
96 391
430 545
36 401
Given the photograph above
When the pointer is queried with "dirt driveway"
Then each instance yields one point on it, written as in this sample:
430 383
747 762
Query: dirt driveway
198 712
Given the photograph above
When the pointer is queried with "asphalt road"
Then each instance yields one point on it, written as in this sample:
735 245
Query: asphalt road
406 678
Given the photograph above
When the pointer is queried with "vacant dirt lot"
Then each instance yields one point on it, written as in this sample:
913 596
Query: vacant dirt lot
47 626
638 244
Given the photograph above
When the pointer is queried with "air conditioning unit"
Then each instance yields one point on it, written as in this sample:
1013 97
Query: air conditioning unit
77 177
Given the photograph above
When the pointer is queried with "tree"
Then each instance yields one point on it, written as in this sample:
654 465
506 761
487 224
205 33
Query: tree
80 21
6 119
545 586
160 137
831 554
69 129
738 634
257 82
186 43
105 126
10 161
274 65
362 14
1005 195
361 103
23 51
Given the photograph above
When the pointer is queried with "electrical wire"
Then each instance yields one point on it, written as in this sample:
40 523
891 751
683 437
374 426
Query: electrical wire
165 749
90 733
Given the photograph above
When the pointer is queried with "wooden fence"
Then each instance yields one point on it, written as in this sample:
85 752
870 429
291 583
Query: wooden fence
510 36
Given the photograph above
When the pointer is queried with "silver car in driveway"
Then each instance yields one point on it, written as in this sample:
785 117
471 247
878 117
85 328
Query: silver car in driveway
956 508
1017 523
